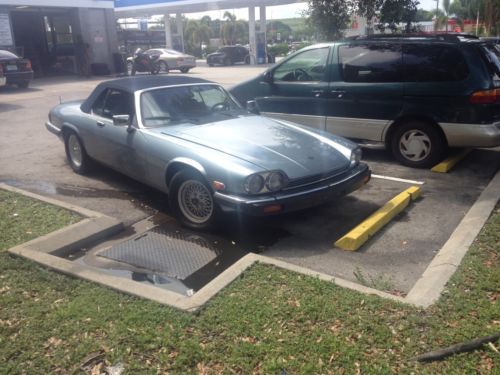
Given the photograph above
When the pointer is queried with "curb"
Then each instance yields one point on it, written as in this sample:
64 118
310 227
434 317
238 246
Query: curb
357 236
431 283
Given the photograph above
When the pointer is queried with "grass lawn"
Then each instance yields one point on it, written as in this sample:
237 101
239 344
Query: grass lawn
266 321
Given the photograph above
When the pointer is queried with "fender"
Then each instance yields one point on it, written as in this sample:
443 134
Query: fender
173 166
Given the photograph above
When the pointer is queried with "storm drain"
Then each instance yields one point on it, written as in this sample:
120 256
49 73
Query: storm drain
174 254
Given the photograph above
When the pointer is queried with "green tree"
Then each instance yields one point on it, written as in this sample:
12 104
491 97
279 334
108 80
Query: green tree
330 17
195 34
232 30
275 27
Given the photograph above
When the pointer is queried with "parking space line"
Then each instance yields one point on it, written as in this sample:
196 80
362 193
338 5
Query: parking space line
360 234
413 182
451 161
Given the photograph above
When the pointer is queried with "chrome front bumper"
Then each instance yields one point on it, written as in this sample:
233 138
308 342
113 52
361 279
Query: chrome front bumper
299 199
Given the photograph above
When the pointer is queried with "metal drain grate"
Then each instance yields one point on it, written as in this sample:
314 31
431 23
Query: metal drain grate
174 254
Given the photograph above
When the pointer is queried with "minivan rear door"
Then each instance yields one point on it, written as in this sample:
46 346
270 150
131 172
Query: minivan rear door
295 90
366 90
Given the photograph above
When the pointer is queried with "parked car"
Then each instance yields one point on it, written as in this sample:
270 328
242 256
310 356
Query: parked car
413 95
229 55
169 59
17 70
187 137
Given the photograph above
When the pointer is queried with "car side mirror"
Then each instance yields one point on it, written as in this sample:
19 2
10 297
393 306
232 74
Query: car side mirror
121 120
268 76
252 107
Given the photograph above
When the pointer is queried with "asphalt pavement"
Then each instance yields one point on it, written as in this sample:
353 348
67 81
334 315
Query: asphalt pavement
31 158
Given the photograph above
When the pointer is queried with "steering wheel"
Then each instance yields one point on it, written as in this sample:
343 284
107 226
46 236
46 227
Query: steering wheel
221 106
301 75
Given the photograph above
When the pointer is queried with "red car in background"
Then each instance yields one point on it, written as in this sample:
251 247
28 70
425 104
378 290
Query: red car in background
16 70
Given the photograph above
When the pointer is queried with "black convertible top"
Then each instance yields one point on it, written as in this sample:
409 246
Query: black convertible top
137 83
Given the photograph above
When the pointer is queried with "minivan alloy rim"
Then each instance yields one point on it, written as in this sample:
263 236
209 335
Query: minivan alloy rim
195 201
75 150
415 145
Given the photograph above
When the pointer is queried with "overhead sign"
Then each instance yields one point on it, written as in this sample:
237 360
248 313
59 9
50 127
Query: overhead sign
5 30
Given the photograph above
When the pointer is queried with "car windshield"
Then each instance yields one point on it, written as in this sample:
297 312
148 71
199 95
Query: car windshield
194 103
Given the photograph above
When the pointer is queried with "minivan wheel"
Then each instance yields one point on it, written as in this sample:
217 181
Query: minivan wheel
191 200
418 144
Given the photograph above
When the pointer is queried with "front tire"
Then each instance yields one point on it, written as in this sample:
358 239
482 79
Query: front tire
418 144
77 157
163 67
191 200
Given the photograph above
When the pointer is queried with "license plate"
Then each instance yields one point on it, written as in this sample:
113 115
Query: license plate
11 67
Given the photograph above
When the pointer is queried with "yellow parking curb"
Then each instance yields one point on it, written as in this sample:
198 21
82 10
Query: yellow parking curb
451 161
359 235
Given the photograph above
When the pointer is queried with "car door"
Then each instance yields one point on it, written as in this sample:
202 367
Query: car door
295 89
120 147
366 91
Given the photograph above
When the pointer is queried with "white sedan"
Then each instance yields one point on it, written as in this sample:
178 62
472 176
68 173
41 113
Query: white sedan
170 60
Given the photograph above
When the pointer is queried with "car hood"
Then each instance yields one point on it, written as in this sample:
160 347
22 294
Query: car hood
269 144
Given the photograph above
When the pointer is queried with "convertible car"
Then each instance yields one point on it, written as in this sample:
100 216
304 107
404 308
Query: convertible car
190 139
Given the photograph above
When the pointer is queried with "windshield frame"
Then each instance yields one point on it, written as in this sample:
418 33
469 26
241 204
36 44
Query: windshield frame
138 100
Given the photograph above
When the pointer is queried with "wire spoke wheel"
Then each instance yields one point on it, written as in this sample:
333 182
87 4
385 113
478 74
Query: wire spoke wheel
195 201
75 150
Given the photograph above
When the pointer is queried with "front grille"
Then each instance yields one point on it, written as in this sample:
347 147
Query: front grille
309 180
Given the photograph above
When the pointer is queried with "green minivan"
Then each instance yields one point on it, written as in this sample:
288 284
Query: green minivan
416 95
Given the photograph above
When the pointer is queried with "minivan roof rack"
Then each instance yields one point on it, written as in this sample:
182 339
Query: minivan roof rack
449 37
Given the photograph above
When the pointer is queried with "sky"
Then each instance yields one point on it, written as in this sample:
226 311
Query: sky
281 11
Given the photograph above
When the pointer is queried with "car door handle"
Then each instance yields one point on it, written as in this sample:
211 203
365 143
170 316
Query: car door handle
100 124
318 92
339 93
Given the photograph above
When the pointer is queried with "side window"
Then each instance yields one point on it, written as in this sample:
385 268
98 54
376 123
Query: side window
371 62
114 102
307 66
433 63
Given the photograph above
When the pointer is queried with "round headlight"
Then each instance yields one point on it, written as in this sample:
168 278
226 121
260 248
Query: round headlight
275 181
254 184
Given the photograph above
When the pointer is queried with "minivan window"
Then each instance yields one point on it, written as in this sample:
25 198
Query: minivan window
433 63
492 54
309 65
370 62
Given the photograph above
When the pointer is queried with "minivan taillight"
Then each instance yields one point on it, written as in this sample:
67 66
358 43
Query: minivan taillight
28 65
485 97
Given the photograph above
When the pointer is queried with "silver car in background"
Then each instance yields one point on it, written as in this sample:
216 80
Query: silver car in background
169 59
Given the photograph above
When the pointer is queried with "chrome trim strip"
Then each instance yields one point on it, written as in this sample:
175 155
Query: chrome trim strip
472 135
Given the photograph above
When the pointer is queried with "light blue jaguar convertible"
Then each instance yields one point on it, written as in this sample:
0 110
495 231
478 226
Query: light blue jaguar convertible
190 139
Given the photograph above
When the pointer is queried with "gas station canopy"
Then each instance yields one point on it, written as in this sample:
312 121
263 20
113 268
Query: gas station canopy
142 8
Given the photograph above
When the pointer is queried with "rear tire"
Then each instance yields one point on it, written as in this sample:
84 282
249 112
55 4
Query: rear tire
191 200
77 157
184 70
418 144
23 85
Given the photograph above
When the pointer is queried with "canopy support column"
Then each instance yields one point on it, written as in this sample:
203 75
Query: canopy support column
168 31
251 34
